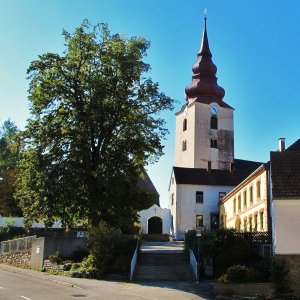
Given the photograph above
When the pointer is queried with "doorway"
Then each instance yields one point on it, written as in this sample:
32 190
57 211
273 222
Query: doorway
155 225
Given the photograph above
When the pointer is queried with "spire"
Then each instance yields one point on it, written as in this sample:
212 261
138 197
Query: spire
204 86
204 50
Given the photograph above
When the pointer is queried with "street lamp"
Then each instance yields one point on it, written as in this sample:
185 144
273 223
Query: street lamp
198 234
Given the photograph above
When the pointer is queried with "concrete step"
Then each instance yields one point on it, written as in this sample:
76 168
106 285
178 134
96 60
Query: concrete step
155 238
163 273
167 265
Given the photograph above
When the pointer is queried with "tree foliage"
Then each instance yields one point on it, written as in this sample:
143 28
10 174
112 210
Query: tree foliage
94 125
9 156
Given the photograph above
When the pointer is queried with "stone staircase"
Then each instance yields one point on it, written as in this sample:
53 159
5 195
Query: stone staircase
162 261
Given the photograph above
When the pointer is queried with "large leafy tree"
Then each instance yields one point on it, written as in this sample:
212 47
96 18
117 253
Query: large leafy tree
9 157
94 125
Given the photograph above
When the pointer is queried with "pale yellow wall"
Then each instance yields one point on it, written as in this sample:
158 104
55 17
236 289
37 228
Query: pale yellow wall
247 213
287 226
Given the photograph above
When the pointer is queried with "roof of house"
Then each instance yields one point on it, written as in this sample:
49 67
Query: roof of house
242 169
295 146
285 173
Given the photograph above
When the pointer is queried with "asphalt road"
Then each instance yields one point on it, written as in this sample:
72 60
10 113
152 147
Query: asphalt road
32 285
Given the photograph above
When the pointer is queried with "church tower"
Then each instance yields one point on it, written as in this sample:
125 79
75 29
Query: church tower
204 125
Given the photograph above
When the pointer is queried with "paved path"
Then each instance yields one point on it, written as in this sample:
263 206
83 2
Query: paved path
33 285
162 247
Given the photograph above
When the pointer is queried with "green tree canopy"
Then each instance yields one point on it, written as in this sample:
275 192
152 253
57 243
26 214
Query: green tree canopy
94 125
9 157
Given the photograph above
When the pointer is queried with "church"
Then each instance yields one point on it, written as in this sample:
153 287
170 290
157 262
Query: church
205 168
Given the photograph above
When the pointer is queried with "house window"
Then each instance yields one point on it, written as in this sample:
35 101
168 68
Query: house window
221 196
239 203
214 122
261 220
255 222
258 190
250 223
234 205
184 145
251 195
199 197
184 124
245 224
172 199
213 143
245 199
214 221
199 221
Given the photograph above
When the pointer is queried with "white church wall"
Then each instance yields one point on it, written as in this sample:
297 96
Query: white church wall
185 158
187 208
156 211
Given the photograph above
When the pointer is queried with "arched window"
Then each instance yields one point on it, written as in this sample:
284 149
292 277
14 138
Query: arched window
184 124
213 143
214 122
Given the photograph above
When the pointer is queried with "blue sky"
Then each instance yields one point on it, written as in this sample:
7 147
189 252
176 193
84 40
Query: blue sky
255 45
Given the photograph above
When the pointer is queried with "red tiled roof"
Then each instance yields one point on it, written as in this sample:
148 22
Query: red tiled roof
242 169
285 173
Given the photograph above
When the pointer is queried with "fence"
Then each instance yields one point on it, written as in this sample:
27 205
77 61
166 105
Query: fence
255 237
16 245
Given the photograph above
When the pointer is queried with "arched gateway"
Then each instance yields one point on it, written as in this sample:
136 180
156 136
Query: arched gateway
155 225
155 220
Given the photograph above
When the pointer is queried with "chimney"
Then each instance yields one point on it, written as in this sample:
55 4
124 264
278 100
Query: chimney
209 167
281 144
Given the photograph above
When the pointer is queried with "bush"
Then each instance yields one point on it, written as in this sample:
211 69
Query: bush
56 258
111 250
279 277
239 274
227 247
10 232
78 255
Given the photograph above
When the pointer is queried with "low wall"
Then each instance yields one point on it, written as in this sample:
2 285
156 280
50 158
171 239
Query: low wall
19 259
55 268
293 276
243 289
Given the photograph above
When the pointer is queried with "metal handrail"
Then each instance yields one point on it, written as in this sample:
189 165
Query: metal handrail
133 262
193 263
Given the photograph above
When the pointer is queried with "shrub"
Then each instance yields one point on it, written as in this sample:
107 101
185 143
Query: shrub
239 274
111 250
78 254
10 232
279 277
55 258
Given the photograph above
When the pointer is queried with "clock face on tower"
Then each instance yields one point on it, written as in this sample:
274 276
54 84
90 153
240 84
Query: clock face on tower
214 109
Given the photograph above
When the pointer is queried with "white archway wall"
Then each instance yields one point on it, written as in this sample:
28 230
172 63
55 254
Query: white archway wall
156 211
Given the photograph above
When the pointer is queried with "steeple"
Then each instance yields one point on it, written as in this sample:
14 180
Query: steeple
204 86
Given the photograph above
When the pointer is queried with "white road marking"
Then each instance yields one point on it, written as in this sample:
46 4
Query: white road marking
25 298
